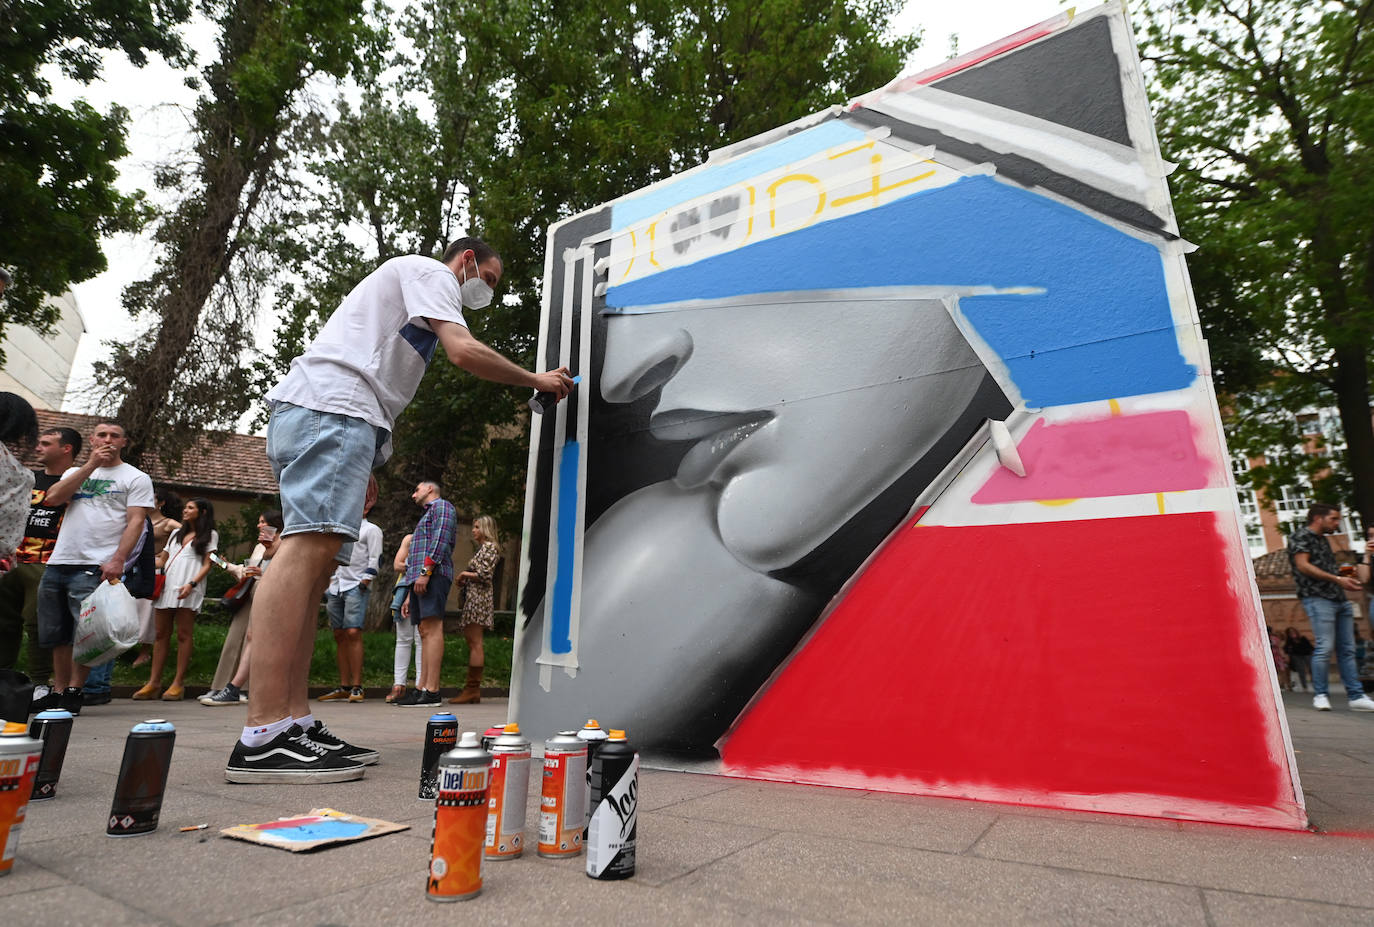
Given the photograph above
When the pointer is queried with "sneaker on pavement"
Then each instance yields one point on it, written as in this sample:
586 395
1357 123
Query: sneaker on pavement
423 699
1321 703
326 738
291 756
337 695
229 695
70 700
405 701
1363 703
355 694
44 698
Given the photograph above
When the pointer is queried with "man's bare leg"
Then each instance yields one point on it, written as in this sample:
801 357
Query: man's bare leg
66 672
432 655
352 647
284 610
305 645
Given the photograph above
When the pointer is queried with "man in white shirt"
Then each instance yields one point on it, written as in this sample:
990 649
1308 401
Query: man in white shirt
108 500
346 603
332 417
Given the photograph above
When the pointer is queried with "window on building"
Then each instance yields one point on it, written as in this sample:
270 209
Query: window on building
1249 503
1293 501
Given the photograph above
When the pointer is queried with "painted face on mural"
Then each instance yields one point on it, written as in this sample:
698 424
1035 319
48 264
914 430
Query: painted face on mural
801 408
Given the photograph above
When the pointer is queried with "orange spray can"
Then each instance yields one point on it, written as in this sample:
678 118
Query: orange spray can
563 795
460 820
510 789
19 754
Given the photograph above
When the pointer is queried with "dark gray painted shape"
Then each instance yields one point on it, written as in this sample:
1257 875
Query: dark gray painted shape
1071 78
1020 169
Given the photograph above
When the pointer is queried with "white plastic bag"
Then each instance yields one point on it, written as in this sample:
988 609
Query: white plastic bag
107 626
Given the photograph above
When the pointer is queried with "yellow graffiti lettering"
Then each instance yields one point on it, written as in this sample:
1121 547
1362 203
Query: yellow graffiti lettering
749 230
794 178
876 185
634 246
652 260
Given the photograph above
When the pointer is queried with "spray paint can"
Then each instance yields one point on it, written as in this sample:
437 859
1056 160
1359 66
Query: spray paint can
54 729
615 798
441 736
542 402
490 734
510 788
142 779
19 755
460 819
562 812
594 737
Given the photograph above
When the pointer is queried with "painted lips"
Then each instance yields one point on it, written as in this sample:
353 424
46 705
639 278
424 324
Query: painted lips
717 434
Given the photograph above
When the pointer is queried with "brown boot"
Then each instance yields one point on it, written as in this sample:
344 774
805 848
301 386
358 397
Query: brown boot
472 690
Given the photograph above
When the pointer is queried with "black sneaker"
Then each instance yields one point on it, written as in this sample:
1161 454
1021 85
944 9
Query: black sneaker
229 695
44 699
326 738
95 698
423 699
291 756
70 700
409 699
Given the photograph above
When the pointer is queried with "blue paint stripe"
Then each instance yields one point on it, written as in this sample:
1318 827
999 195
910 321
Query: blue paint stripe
737 170
1101 328
560 621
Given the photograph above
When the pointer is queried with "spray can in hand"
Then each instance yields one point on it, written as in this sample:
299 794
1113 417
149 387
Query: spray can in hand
615 800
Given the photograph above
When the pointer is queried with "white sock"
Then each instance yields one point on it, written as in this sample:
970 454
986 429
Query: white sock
307 721
257 736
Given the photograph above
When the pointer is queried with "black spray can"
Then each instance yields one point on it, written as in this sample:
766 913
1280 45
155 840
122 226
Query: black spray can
54 728
142 779
441 736
615 800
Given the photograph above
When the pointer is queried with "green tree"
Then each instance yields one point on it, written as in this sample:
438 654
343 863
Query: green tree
186 373
57 163
1268 106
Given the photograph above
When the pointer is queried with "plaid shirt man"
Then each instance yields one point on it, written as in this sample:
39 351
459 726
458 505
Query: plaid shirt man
432 546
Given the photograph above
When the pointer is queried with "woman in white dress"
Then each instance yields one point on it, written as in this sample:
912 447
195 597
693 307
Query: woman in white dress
185 563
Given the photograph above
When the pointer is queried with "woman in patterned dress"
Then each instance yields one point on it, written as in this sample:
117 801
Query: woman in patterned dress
477 603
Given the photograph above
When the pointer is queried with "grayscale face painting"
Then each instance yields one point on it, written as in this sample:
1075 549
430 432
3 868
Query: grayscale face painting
802 427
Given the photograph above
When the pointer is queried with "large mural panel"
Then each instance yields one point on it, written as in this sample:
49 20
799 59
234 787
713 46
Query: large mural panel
896 462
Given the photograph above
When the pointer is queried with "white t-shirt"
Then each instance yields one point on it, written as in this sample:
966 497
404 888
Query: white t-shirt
98 512
366 553
369 358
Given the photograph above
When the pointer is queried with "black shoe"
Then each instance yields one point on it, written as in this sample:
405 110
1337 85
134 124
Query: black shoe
409 699
70 700
229 695
326 738
291 756
49 700
423 699
95 698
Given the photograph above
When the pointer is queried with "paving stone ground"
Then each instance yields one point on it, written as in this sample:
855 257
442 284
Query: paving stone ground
712 850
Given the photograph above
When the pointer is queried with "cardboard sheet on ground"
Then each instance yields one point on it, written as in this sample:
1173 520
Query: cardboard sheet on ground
320 827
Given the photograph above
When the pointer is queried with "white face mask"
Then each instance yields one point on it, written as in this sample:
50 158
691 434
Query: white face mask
476 292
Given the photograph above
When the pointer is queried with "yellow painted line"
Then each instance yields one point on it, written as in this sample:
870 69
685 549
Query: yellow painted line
1159 499
1114 406
1055 502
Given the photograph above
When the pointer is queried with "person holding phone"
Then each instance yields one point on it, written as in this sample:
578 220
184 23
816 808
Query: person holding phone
234 652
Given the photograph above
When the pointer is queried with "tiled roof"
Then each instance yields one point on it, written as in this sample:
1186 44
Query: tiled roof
1274 564
237 466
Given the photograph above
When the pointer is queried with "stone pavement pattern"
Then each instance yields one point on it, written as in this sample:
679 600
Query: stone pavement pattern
711 850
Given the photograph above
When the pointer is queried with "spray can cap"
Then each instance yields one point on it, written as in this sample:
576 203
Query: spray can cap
469 739
15 729
617 735
592 725
511 728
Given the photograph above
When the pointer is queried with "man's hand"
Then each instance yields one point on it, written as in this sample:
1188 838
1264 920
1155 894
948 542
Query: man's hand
421 584
554 381
104 456
405 607
112 570
1349 582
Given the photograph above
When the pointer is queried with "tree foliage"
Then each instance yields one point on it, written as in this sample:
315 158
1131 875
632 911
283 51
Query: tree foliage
57 162
1268 106
186 373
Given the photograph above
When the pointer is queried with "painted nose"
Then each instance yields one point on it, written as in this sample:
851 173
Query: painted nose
635 368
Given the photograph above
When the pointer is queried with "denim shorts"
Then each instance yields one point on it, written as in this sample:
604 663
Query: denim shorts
60 593
322 461
433 603
347 609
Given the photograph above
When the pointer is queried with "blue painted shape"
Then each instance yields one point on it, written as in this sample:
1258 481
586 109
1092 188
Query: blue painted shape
737 170
423 341
560 619
319 830
1101 329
